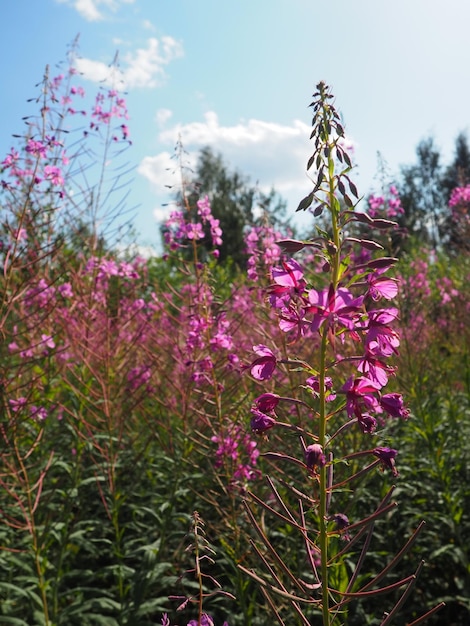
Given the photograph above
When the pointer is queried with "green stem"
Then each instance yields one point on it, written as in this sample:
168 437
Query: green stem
323 483
31 522
198 573
335 275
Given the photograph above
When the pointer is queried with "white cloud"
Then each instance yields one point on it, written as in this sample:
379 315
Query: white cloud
146 66
142 68
163 173
147 24
270 154
162 116
96 71
90 9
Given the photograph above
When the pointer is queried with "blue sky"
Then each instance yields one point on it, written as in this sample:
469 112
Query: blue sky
239 76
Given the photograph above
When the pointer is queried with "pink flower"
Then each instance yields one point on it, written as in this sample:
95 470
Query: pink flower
194 231
382 287
36 148
53 174
216 232
359 396
291 320
77 90
379 331
267 402
374 368
334 307
21 234
11 158
47 341
65 290
263 367
38 412
204 208
289 275
17 405
460 195
289 281
138 376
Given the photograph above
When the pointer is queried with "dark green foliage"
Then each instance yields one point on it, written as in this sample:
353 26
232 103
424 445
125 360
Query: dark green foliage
108 557
96 500
434 462
457 173
235 202
421 193
425 189
454 227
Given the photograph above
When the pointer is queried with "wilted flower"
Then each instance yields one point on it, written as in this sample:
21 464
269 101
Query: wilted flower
387 457
314 383
342 521
260 422
367 423
314 456
393 404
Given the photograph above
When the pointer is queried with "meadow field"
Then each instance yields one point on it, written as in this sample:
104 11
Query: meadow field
190 441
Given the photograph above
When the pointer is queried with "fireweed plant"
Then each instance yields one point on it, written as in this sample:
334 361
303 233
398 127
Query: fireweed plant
124 396
205 332
203 554
351 326
56 320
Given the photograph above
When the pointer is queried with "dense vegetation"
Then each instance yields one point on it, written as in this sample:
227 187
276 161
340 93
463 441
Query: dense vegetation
162 454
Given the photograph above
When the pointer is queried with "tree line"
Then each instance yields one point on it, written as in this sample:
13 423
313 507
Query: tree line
424 189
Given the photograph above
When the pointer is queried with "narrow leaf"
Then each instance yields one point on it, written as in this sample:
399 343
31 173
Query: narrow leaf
306 202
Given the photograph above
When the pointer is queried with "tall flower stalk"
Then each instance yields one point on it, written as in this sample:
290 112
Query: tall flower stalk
341 387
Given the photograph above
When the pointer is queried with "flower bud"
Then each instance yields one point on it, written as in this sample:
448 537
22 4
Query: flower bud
267 402
314 456
260 422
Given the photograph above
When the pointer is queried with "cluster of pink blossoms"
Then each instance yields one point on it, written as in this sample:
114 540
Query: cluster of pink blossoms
178 230
35 412
459 203
40 164
262 249
459 196
237 446
303 311
45 157
388 207
206 620
108 107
